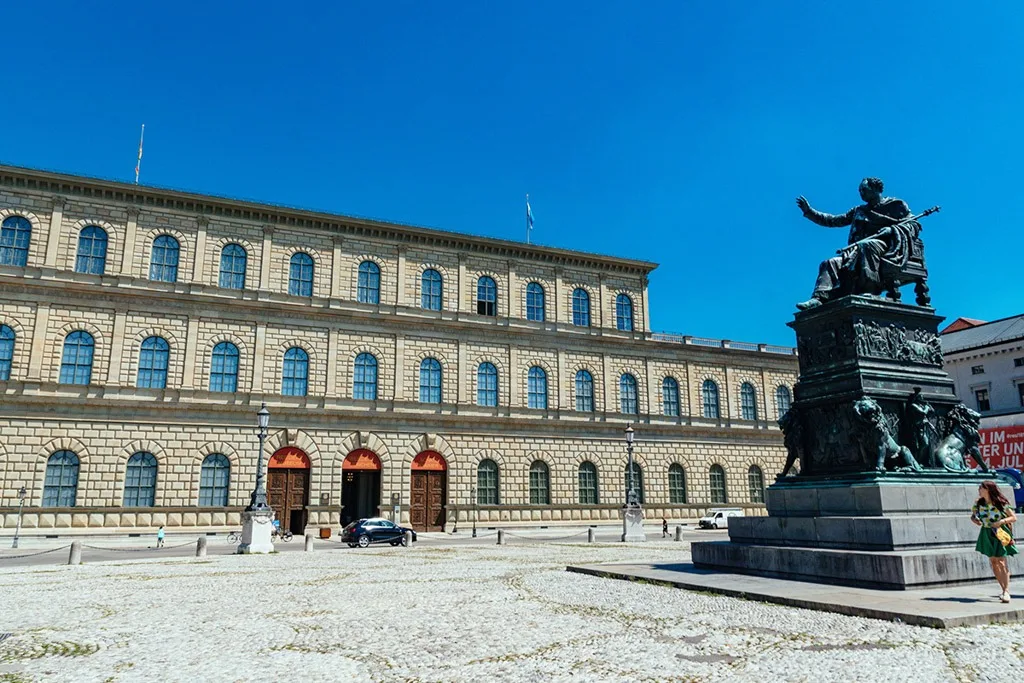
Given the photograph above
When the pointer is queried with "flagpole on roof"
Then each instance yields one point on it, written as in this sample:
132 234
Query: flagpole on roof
529 219
138 164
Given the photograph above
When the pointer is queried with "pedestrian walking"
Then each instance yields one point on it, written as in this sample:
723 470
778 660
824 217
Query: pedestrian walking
664 528
160 537
994 514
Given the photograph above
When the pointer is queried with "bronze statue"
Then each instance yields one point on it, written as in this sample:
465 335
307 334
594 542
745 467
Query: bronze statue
922 431
881 242
879 447
793 437
960 438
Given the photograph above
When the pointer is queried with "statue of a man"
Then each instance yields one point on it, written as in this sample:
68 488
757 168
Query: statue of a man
879 241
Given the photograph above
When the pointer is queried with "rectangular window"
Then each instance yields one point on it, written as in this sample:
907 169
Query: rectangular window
978 370
1018 362
1020 391
588 486
981 395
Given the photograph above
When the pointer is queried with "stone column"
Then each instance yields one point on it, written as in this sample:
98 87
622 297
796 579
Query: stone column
513 292
128 248
653 389
258 356
199 257
53 235
462 377
763 413
602 296
606 373
332 363
725 410
39 337
191 353
400 393
513 377
646 325
400 277
560 316
460 293
336 268
563 385
116 348
688 389
266 255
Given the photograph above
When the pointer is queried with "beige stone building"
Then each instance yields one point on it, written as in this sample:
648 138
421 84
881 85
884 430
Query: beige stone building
451 375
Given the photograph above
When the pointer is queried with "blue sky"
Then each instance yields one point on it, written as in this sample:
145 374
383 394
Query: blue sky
678 132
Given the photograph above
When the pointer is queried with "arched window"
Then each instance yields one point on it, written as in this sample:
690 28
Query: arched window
638 480
486 385
295 373
588 483
15 235
140 481
76 360
676 484
537 388
623 313
670 397
154 356
627 394
486 296
580 307
540 490
710 391
535 302
6 352
214 478
783 399
368 290
232 266
300 274
487 483
224 367
431 288
716 477
364 384
748 401
60 487
755 479
163 259
430 381
584 392
92 250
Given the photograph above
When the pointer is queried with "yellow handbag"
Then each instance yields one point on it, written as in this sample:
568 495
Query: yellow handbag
1004 537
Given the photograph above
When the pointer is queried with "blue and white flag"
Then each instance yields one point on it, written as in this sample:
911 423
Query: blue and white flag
529 219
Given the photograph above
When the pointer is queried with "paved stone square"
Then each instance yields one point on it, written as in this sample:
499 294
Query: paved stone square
448 611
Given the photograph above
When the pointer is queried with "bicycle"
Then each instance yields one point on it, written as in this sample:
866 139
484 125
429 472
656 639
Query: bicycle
235 537
285 536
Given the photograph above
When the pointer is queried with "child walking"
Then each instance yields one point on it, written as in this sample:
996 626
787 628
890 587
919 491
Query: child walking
160 537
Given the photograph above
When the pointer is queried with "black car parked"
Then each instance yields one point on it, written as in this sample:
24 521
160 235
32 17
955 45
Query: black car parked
363 532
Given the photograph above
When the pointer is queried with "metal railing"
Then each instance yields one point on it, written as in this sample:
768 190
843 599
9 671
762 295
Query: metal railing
690 340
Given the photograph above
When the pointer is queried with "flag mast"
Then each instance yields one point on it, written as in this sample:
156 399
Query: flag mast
138 163
529 219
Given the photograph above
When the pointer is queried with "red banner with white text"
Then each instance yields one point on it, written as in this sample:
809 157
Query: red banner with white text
1003 446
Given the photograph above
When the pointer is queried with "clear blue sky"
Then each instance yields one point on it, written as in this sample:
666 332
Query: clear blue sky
677 132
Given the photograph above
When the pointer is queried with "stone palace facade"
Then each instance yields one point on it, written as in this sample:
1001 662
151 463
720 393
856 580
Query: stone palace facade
449 375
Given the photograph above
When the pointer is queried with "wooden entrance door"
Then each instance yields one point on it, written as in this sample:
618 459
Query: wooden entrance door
426 507
288 488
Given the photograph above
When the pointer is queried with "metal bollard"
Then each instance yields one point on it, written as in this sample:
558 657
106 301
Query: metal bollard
501 537
309 543
408 539
679 532
590 535
76 553
201 546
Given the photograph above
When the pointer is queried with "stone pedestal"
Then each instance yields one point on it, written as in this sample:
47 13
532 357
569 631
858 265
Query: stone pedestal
256 528
633 524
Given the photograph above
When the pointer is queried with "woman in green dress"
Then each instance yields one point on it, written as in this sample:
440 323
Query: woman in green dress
991 512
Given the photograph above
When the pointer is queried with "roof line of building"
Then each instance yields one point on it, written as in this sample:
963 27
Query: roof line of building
146 195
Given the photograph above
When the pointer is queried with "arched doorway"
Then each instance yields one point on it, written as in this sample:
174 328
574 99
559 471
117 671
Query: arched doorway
288 487
360 486
429 492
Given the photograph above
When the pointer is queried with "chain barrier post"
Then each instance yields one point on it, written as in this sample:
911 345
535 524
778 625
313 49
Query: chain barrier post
408 539
679 532
590 535
309 543
501 537
75 556
201 547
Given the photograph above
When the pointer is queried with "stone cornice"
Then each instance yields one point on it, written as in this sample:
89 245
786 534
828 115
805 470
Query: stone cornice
125 194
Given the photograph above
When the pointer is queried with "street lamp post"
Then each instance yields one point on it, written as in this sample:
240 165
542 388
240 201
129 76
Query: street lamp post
472 494
258 517
632 511
22 492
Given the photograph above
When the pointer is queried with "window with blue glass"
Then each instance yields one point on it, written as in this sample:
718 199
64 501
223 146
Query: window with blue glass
623 313
710 396
486 385
782 399
627 394
430 381
670 397
233 260
368 289
140 481
6 351
537 388
15 235
535 302
60 485
300 274
224 367
486 296
364 387
76 360
163 259
154 356
581 308
584 392
92 250
431 288
214 479
295 373
748 401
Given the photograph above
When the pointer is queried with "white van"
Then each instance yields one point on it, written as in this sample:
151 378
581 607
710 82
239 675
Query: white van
718 518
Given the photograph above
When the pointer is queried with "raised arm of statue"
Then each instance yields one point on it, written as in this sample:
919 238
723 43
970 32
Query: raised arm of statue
828 220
